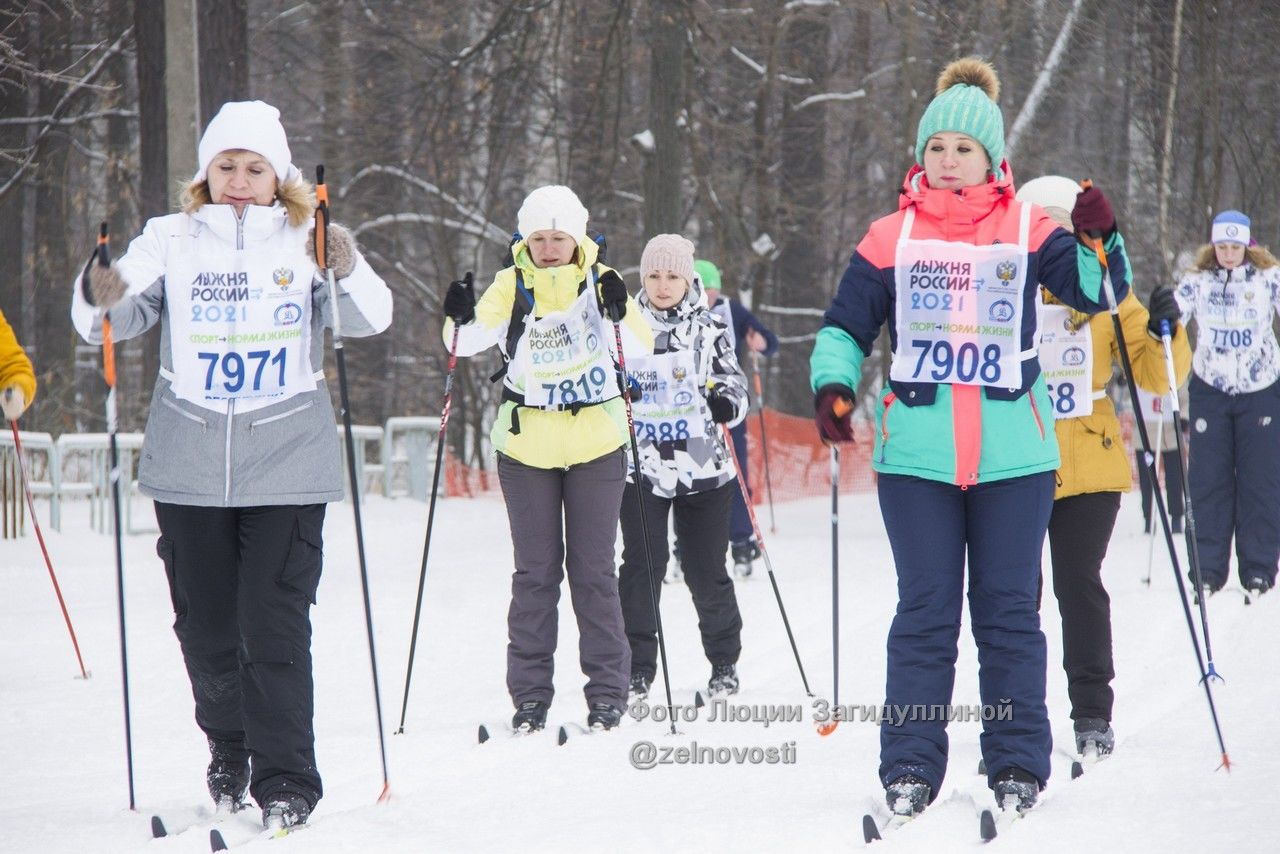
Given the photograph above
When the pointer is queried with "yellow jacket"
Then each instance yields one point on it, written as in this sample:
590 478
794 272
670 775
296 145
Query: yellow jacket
1093 455
15 367
550 439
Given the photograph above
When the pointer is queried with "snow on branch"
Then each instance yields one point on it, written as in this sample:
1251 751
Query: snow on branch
425 219
70 120
829 96
1029 107
751 63
793 310
478 224
808 4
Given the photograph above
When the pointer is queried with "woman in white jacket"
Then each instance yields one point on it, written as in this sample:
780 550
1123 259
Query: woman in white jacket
241 451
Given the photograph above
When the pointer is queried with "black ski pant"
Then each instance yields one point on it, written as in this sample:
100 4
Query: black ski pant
565 521
1234 478
1172 473
1079 531
243 580
702 529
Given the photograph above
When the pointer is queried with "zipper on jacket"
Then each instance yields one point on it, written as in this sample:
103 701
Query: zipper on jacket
240 228
295 410
231 407
204 425
889 400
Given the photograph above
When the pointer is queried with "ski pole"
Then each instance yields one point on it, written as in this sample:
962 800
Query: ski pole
103 255
431 507
615 315
1153 472
31 507
841 408
1095 241
764 442
322 259
764 552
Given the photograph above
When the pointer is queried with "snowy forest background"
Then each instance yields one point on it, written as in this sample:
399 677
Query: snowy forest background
769 132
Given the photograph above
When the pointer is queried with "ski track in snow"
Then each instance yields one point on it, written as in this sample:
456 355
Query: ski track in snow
62 769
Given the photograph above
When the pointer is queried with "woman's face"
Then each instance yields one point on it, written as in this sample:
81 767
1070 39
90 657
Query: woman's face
551 248
953 160
1230 255
665 288
239 178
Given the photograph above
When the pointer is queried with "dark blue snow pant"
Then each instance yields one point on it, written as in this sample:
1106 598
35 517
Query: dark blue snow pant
1234 475
1001 526
739 519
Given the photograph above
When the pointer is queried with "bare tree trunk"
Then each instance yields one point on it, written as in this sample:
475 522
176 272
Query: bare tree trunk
222 28
666 97
1166 148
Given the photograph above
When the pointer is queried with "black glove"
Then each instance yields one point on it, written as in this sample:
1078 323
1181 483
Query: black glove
460 301
1162 307
1092 214
613 295
722 408
833 406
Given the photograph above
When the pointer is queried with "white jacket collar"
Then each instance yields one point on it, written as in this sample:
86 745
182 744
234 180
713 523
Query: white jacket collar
260 222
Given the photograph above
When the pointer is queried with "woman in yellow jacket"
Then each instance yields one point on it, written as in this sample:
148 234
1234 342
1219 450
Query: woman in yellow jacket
17 379
1078 353
561 435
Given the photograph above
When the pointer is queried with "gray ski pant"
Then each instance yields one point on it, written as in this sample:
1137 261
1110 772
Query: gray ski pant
565 521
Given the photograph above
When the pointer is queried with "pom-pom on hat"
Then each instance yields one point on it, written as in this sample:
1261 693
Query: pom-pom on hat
668 252
966 103
708 273
1230 227
553 208
251 126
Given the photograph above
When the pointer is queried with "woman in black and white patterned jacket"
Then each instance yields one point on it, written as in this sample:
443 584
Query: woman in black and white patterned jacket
689 389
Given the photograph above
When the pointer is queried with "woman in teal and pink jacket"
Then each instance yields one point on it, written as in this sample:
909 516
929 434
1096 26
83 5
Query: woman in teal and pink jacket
964 444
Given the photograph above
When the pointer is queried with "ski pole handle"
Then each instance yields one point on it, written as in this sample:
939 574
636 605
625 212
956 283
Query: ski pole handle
842 407
102 251
321 236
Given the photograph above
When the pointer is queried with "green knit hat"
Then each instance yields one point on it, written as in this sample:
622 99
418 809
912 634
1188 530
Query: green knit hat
708 273
966 103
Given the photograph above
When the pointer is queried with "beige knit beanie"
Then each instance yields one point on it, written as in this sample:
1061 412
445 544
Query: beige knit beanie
668 252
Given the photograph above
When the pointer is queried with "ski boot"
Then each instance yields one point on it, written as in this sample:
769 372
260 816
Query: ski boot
530 716
603 716
723 681
1016 789
1094 734
1256 585
228 774
638 689
907 796
285 809
744 553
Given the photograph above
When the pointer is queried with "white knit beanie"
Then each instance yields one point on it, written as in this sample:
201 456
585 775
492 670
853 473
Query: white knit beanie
553 208
668 252
251 126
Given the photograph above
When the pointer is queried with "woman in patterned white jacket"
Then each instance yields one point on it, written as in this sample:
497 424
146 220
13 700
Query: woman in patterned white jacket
689 387
1233 292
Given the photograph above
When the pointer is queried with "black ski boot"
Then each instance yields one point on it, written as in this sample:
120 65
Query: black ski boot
639 688
228 774
603 716
1257 585
530 716
744 552
285 809
1016 789
908 795
723 681
1096 732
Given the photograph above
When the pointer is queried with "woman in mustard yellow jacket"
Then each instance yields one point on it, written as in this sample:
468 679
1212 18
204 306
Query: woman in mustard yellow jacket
1078 354
17 379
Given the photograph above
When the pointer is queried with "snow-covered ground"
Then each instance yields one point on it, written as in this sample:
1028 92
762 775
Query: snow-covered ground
62 762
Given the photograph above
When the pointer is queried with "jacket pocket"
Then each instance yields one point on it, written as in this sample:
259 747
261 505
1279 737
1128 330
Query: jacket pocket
280 416
889 400
204 424
182 450
301 570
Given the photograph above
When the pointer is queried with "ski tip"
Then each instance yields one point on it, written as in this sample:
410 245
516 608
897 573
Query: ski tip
562 736
1077 769
482 734
982 767
157 827
870 833
987 826
216 842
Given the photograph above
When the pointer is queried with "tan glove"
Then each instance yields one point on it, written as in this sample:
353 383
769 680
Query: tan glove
13 402
341 250
106 286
